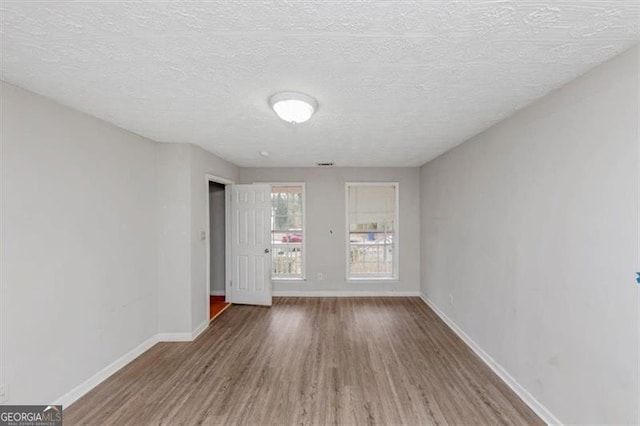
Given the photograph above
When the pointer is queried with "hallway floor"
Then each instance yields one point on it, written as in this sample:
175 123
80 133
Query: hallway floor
216 306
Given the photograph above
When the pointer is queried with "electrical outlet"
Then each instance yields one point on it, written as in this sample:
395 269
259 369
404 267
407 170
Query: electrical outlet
4 393
320 276
451 299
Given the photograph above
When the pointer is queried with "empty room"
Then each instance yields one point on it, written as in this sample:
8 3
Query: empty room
320 212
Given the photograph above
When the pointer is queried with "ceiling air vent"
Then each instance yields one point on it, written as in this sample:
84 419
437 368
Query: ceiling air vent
324 164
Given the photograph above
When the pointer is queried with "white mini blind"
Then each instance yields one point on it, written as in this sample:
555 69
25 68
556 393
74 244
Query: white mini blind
371 205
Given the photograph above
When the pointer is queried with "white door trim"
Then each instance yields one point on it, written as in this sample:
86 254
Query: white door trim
227 237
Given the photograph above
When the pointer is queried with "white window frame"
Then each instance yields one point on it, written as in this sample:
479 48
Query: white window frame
396 233
304 230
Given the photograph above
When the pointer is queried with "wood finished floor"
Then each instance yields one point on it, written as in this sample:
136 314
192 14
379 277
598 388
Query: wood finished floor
309 361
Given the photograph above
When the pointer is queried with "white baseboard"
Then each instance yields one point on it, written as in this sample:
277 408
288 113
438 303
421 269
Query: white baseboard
526 397
76 393
340 293
183 337
199 329
217 293
174 337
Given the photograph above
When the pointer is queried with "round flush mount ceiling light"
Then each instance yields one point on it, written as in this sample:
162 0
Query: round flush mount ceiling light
293 107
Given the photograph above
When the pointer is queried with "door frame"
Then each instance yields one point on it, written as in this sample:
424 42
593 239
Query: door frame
227 237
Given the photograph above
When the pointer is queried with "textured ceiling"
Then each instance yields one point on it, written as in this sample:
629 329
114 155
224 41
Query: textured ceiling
398 82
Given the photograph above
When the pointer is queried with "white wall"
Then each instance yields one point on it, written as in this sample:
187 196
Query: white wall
183 198
79 243
532 228
325 212
101 246
174 242
203 163
217 221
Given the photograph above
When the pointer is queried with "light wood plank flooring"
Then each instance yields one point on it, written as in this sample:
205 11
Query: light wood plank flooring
309 361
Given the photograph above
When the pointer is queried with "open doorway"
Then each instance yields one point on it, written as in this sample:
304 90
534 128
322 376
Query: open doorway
217 249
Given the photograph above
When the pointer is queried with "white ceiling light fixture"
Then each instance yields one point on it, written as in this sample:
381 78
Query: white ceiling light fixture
293 107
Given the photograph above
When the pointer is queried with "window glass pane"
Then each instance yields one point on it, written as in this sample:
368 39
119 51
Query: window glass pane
286 231
371 215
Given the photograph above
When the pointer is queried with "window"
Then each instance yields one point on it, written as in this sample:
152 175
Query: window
287 230
372 222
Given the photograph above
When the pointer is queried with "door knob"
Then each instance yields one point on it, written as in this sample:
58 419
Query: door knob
267 250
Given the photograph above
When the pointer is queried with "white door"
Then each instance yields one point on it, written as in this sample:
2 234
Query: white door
251 244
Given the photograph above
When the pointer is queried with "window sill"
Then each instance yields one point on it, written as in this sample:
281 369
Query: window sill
287 279
376 279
